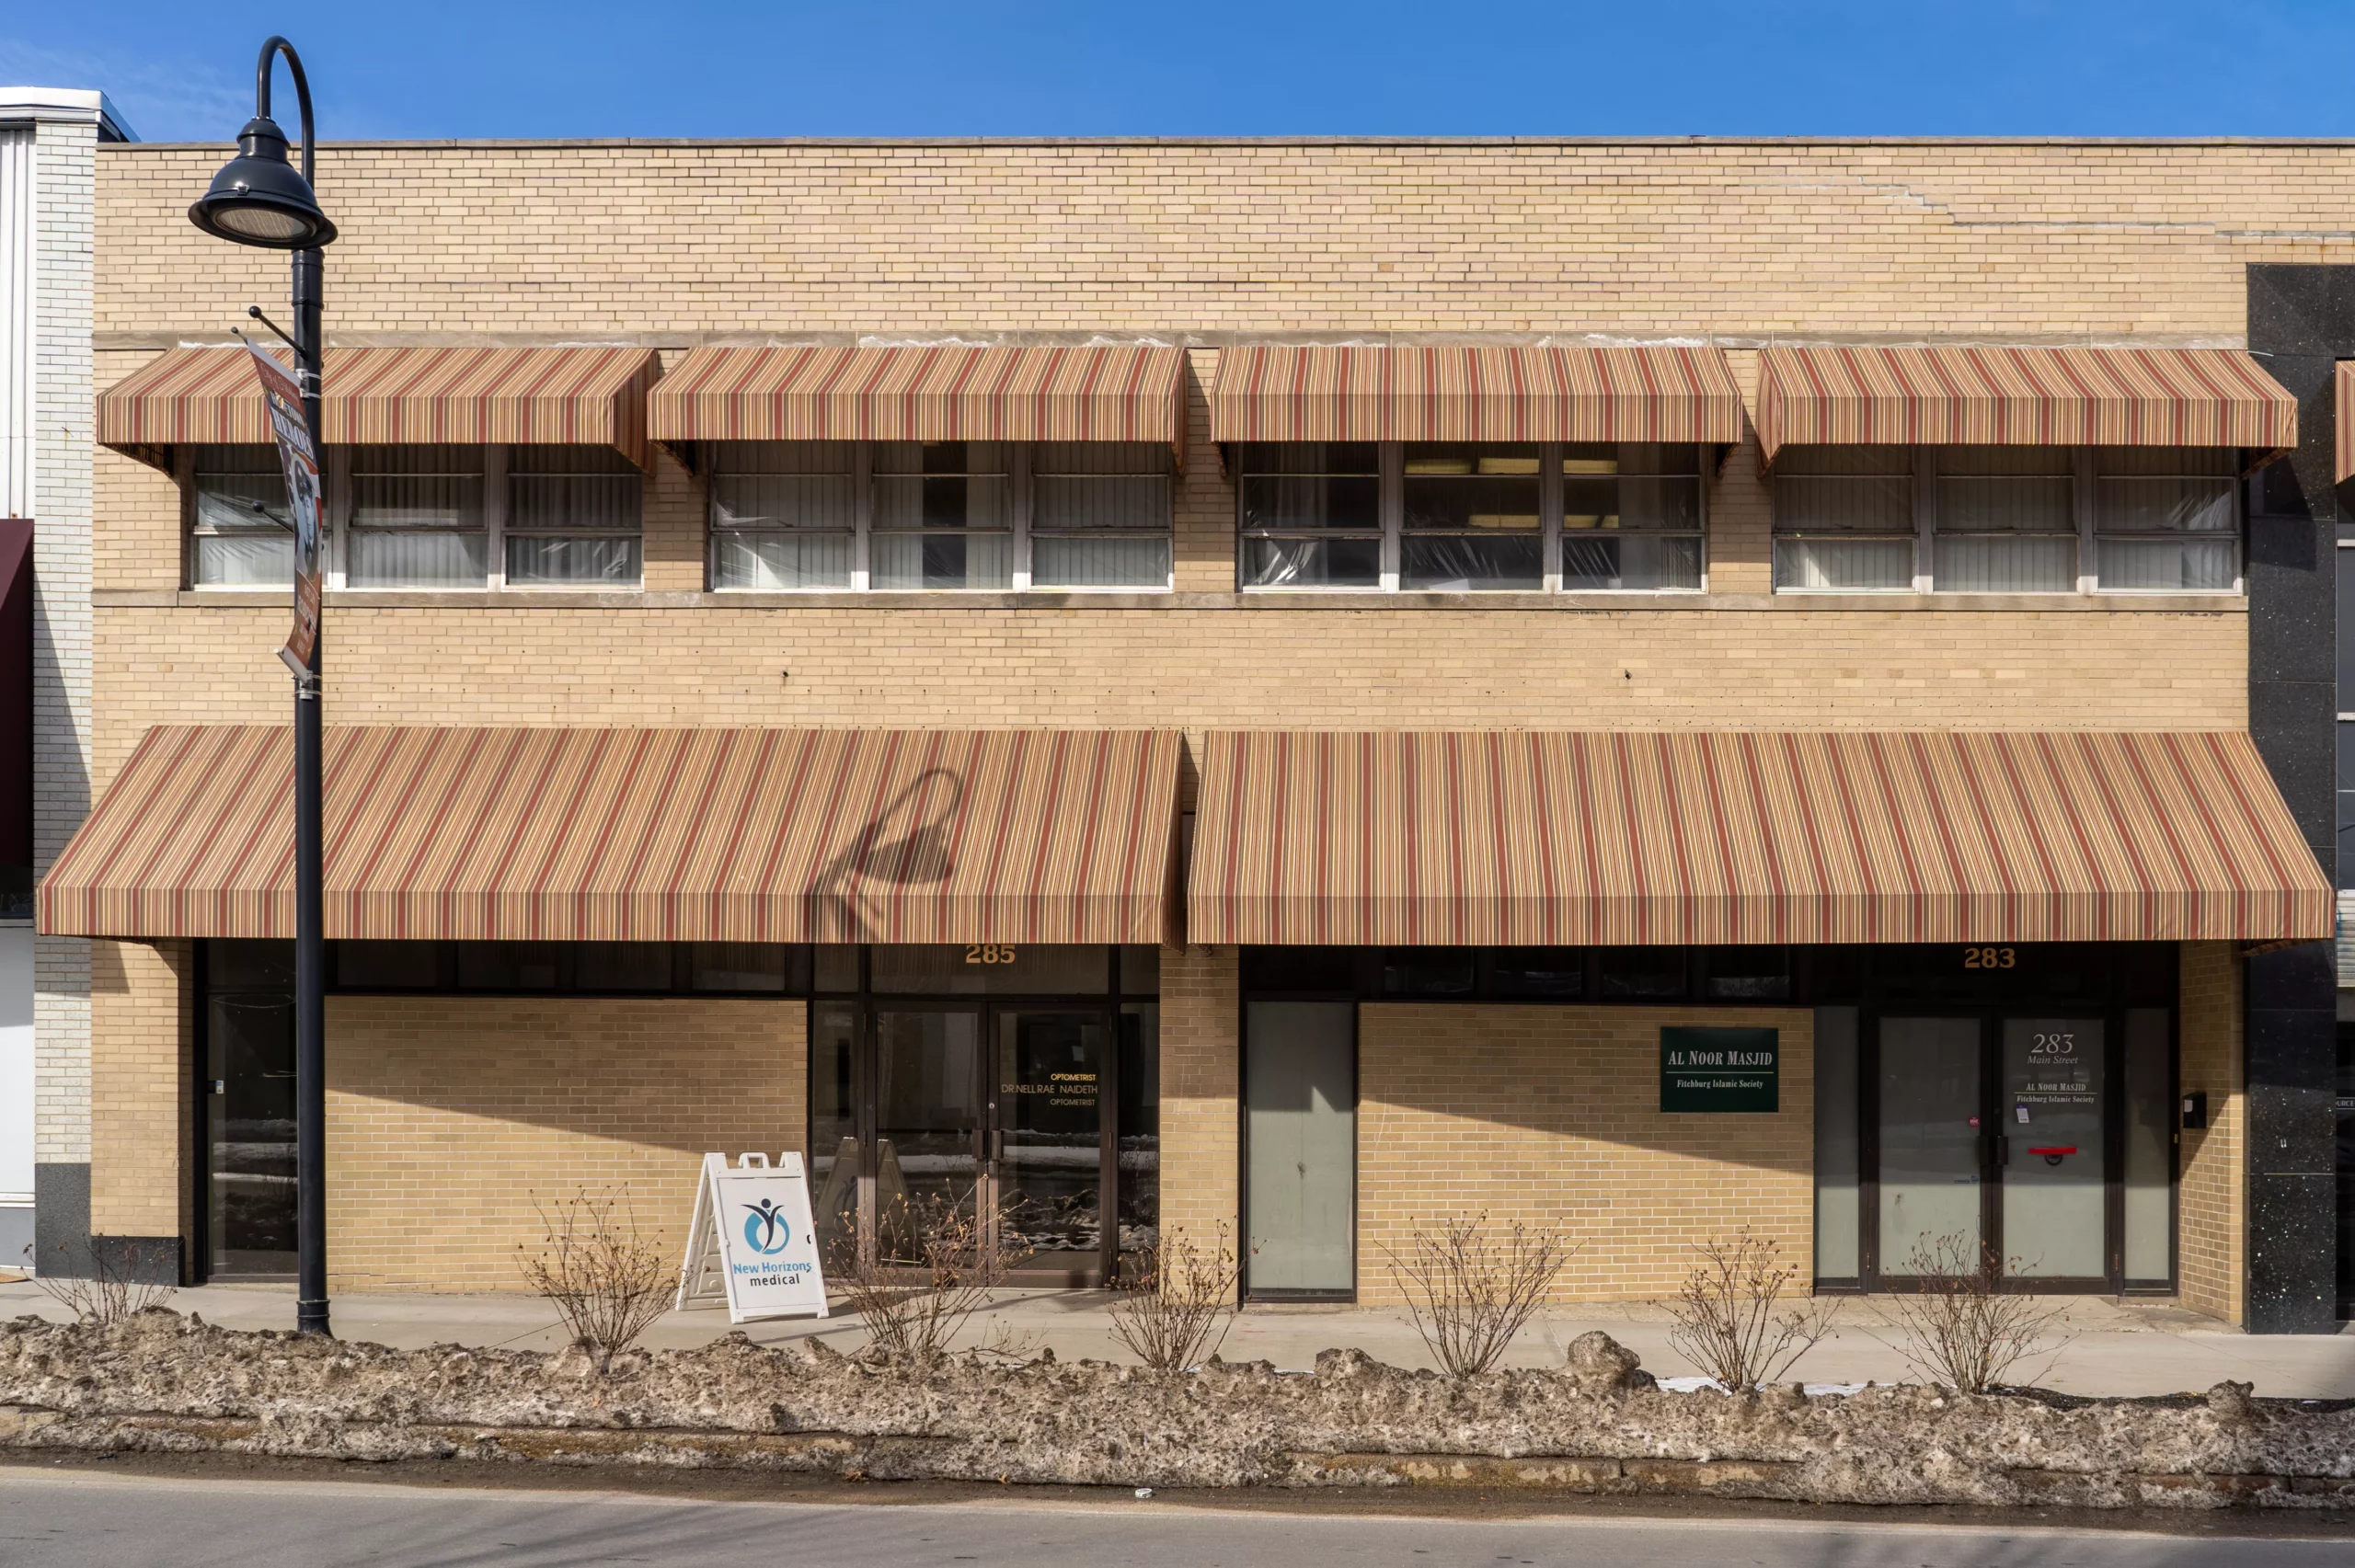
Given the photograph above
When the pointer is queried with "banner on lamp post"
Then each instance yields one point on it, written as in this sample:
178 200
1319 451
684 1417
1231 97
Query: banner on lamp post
300 459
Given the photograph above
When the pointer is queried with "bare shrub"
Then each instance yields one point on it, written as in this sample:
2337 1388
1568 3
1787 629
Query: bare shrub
1176 1310
115 1289
1726 1323
607 1280
1957 1329
1470 1287
916 1293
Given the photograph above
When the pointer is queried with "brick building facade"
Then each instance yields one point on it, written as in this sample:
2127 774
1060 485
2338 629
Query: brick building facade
452 1099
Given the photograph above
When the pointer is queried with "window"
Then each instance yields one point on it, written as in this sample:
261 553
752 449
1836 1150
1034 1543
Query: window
2008 519
1843 518
784 514
1474 519
417 517
573 517
1099 515
1467 516
241 534
848 516
2166 520
1631 516
944 515
1311 514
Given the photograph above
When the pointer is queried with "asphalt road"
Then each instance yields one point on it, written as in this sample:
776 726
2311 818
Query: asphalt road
82 1519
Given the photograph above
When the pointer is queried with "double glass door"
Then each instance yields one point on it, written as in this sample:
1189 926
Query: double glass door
993 1116
2036 1144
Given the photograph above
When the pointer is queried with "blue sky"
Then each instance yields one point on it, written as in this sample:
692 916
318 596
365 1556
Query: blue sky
428 68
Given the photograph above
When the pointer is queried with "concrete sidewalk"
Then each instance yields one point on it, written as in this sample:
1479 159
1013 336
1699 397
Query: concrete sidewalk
2117 1348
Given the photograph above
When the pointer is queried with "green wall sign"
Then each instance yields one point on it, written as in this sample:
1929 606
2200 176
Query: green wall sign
1719 1070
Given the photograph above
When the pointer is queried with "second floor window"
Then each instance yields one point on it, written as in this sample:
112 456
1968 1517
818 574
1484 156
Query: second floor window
1470 517
240 532
573 517
913 516
2008 519
416 517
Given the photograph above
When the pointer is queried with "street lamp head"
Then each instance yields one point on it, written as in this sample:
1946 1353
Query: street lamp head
259 198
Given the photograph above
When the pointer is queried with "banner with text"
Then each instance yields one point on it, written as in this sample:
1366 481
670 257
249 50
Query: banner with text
299 457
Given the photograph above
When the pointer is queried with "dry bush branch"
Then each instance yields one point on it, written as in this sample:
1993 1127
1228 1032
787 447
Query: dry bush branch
1959 1331
112 1293
606 1279
1470 1289
1725 1319
914 1304
1174 1312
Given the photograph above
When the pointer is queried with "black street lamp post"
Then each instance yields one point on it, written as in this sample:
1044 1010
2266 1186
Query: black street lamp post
258 199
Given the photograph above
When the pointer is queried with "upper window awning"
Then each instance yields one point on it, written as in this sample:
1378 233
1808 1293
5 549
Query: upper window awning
640 835
1302 394
2345 381
1667 838
393 398
1103 393
1999 397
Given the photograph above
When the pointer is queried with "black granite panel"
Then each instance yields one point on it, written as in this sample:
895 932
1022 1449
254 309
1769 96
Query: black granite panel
2292 1221
143 1260
61 1219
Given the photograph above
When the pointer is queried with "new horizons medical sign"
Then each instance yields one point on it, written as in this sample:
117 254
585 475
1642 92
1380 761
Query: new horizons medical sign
1719 1070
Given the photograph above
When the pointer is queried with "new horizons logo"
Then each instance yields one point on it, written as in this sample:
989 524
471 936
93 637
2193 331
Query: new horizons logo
766 1230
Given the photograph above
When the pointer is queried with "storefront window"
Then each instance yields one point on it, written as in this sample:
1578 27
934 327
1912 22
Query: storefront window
1140 1126
249 1108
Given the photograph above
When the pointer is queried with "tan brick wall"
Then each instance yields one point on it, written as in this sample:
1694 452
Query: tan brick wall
143 1002
2212 1231
1200 1090
1551 1116
1729 238
447 1116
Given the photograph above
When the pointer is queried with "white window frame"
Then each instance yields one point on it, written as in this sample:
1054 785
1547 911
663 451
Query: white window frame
1392 469
1923 477
184 468
1020 489
336 529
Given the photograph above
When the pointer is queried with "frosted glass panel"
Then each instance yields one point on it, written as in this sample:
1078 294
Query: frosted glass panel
2150 1146
244 560
417 560
942 560
1099 563
1300 1083
1844 562
591 560
1837 1160
782 560
2026 563
2055 1209
1929 1136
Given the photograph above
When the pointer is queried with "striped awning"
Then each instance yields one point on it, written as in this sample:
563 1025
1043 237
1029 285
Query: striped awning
1302 393
1998 396
1744 837
2345 409
640 835
393 398
1106 392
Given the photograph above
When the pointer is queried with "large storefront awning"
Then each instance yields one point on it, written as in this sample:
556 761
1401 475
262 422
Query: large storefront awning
1102 393
392 398
1638 837
1308 393
640 835
2000 397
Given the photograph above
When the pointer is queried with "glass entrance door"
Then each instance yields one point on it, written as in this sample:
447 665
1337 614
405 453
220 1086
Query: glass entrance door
1049 1152
929 1081
1930 1145
2051 1149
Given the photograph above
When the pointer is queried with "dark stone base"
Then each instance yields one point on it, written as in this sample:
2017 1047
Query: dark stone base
61 1221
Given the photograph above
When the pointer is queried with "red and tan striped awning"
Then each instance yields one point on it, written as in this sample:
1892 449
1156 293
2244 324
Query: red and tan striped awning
640 835
1744 837
1997 396
1096 393
394 397
1299 394
2344 408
